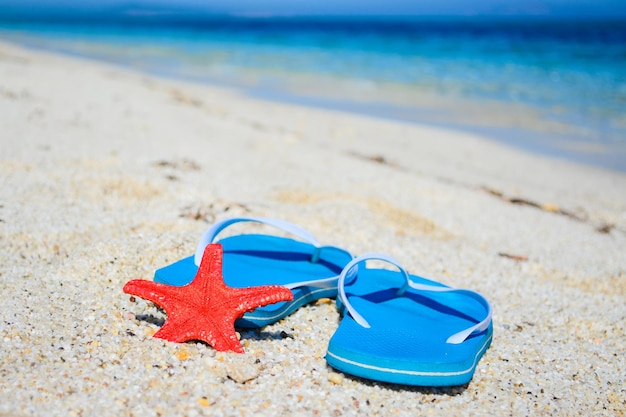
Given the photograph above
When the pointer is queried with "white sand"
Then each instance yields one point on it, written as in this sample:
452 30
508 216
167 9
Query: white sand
107 175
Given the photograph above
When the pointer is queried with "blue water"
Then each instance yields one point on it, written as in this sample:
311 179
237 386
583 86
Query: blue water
553 87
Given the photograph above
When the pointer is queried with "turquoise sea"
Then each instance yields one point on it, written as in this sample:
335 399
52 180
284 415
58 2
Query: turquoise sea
550 87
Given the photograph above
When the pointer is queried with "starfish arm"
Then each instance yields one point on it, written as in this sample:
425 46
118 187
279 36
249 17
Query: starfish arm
209 271
225 339
177 331
221 337
160 294
247 299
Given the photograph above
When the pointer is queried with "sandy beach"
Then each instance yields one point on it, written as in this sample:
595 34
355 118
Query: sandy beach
107 175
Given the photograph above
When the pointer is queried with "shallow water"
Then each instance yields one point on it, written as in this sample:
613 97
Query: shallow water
557 88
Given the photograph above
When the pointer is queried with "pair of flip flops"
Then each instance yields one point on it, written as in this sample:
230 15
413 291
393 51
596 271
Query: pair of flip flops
395 327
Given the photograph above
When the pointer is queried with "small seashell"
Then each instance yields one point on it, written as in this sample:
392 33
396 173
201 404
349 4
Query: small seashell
335 378
182 354
242 372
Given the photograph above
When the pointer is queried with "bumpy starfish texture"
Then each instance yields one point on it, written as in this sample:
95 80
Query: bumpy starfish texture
206 308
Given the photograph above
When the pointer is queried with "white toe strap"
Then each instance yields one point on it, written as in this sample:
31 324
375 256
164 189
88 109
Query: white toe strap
212 232
351 270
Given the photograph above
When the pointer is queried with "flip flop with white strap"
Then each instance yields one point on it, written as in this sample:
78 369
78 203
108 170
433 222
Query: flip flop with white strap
306 267
404 329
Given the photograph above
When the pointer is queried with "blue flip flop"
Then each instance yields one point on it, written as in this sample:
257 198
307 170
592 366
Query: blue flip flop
404 329
309 269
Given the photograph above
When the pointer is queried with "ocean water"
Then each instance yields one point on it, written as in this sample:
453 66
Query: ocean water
550 87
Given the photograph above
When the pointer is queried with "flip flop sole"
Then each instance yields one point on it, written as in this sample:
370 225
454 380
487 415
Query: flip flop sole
415 373
406 343
252 260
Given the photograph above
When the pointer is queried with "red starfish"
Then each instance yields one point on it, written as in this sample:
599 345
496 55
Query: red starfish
206 308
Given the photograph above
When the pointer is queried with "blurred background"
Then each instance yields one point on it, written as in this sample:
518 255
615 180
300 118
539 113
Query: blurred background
547 76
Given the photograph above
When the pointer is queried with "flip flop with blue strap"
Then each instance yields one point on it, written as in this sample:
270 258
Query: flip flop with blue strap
404 329
306 267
